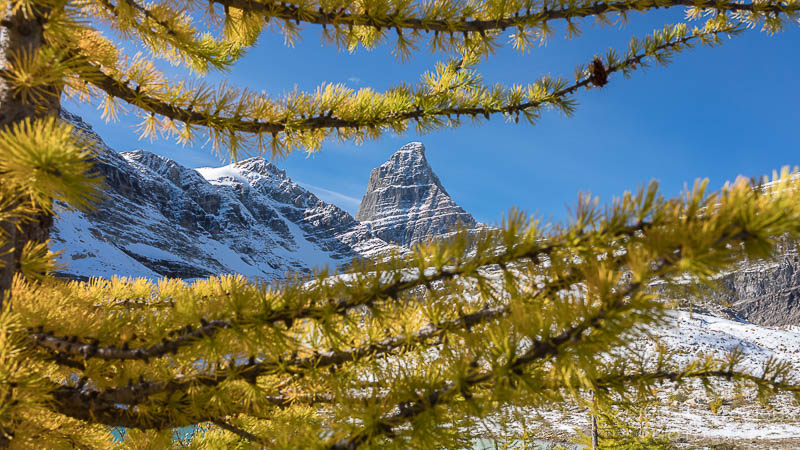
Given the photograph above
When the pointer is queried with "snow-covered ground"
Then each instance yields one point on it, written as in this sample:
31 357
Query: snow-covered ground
740 416
689 333
741 420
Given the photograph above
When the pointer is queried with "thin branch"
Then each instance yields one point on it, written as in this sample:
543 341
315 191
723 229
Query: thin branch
293 13
79 404
112 8
183 40
110 407
187 335
74 346
239 432
676 376
124 91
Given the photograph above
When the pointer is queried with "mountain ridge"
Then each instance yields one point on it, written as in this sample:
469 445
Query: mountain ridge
160 218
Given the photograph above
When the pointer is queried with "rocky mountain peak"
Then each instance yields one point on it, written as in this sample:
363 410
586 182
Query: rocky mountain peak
412 150
159 218
406 167
405 202
261 166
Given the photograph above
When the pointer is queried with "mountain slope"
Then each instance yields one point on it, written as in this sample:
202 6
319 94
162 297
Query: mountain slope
162 219
765 293
405 202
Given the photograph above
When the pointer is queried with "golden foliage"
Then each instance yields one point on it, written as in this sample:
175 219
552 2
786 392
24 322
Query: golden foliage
523 314
42 160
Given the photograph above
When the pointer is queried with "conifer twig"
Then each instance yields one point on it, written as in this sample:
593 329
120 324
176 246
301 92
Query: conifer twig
529 18
197 116
239 432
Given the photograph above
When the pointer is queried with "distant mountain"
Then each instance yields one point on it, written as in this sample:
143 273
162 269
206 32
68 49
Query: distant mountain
405 202
162 219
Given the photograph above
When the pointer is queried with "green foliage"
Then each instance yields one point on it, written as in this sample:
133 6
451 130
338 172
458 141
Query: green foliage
412 351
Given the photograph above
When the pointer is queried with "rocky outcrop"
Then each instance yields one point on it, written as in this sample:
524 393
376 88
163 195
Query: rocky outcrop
405 202
159 218
766 293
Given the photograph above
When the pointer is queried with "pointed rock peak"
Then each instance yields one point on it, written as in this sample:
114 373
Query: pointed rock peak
411 154
406 167
417 148
405 202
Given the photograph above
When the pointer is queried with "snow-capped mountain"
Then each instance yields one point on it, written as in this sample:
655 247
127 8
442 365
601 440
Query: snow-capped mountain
159 218
405 202
162 219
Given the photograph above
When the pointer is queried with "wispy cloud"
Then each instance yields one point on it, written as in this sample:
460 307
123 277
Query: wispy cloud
347 203
354 80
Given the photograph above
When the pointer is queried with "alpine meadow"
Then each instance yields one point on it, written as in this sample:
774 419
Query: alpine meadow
412 349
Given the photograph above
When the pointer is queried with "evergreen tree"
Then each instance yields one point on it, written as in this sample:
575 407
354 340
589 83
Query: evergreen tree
525 314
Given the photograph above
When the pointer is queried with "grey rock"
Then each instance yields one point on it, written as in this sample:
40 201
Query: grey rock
405 202
765 292
159 218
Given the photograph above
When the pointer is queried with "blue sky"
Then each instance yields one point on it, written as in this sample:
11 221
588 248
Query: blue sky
716 113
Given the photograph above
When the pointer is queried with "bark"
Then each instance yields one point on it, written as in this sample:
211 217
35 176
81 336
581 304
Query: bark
595 430
21 34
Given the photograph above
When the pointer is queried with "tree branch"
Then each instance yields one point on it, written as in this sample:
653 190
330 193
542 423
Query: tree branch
116 407
522 19
239 432
185 41
73 346
187 335
153 104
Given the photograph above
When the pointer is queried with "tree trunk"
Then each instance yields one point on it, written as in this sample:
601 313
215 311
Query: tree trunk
595 431
20 36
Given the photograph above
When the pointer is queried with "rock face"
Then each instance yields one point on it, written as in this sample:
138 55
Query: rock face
159 218
766 293
762 292
405 202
